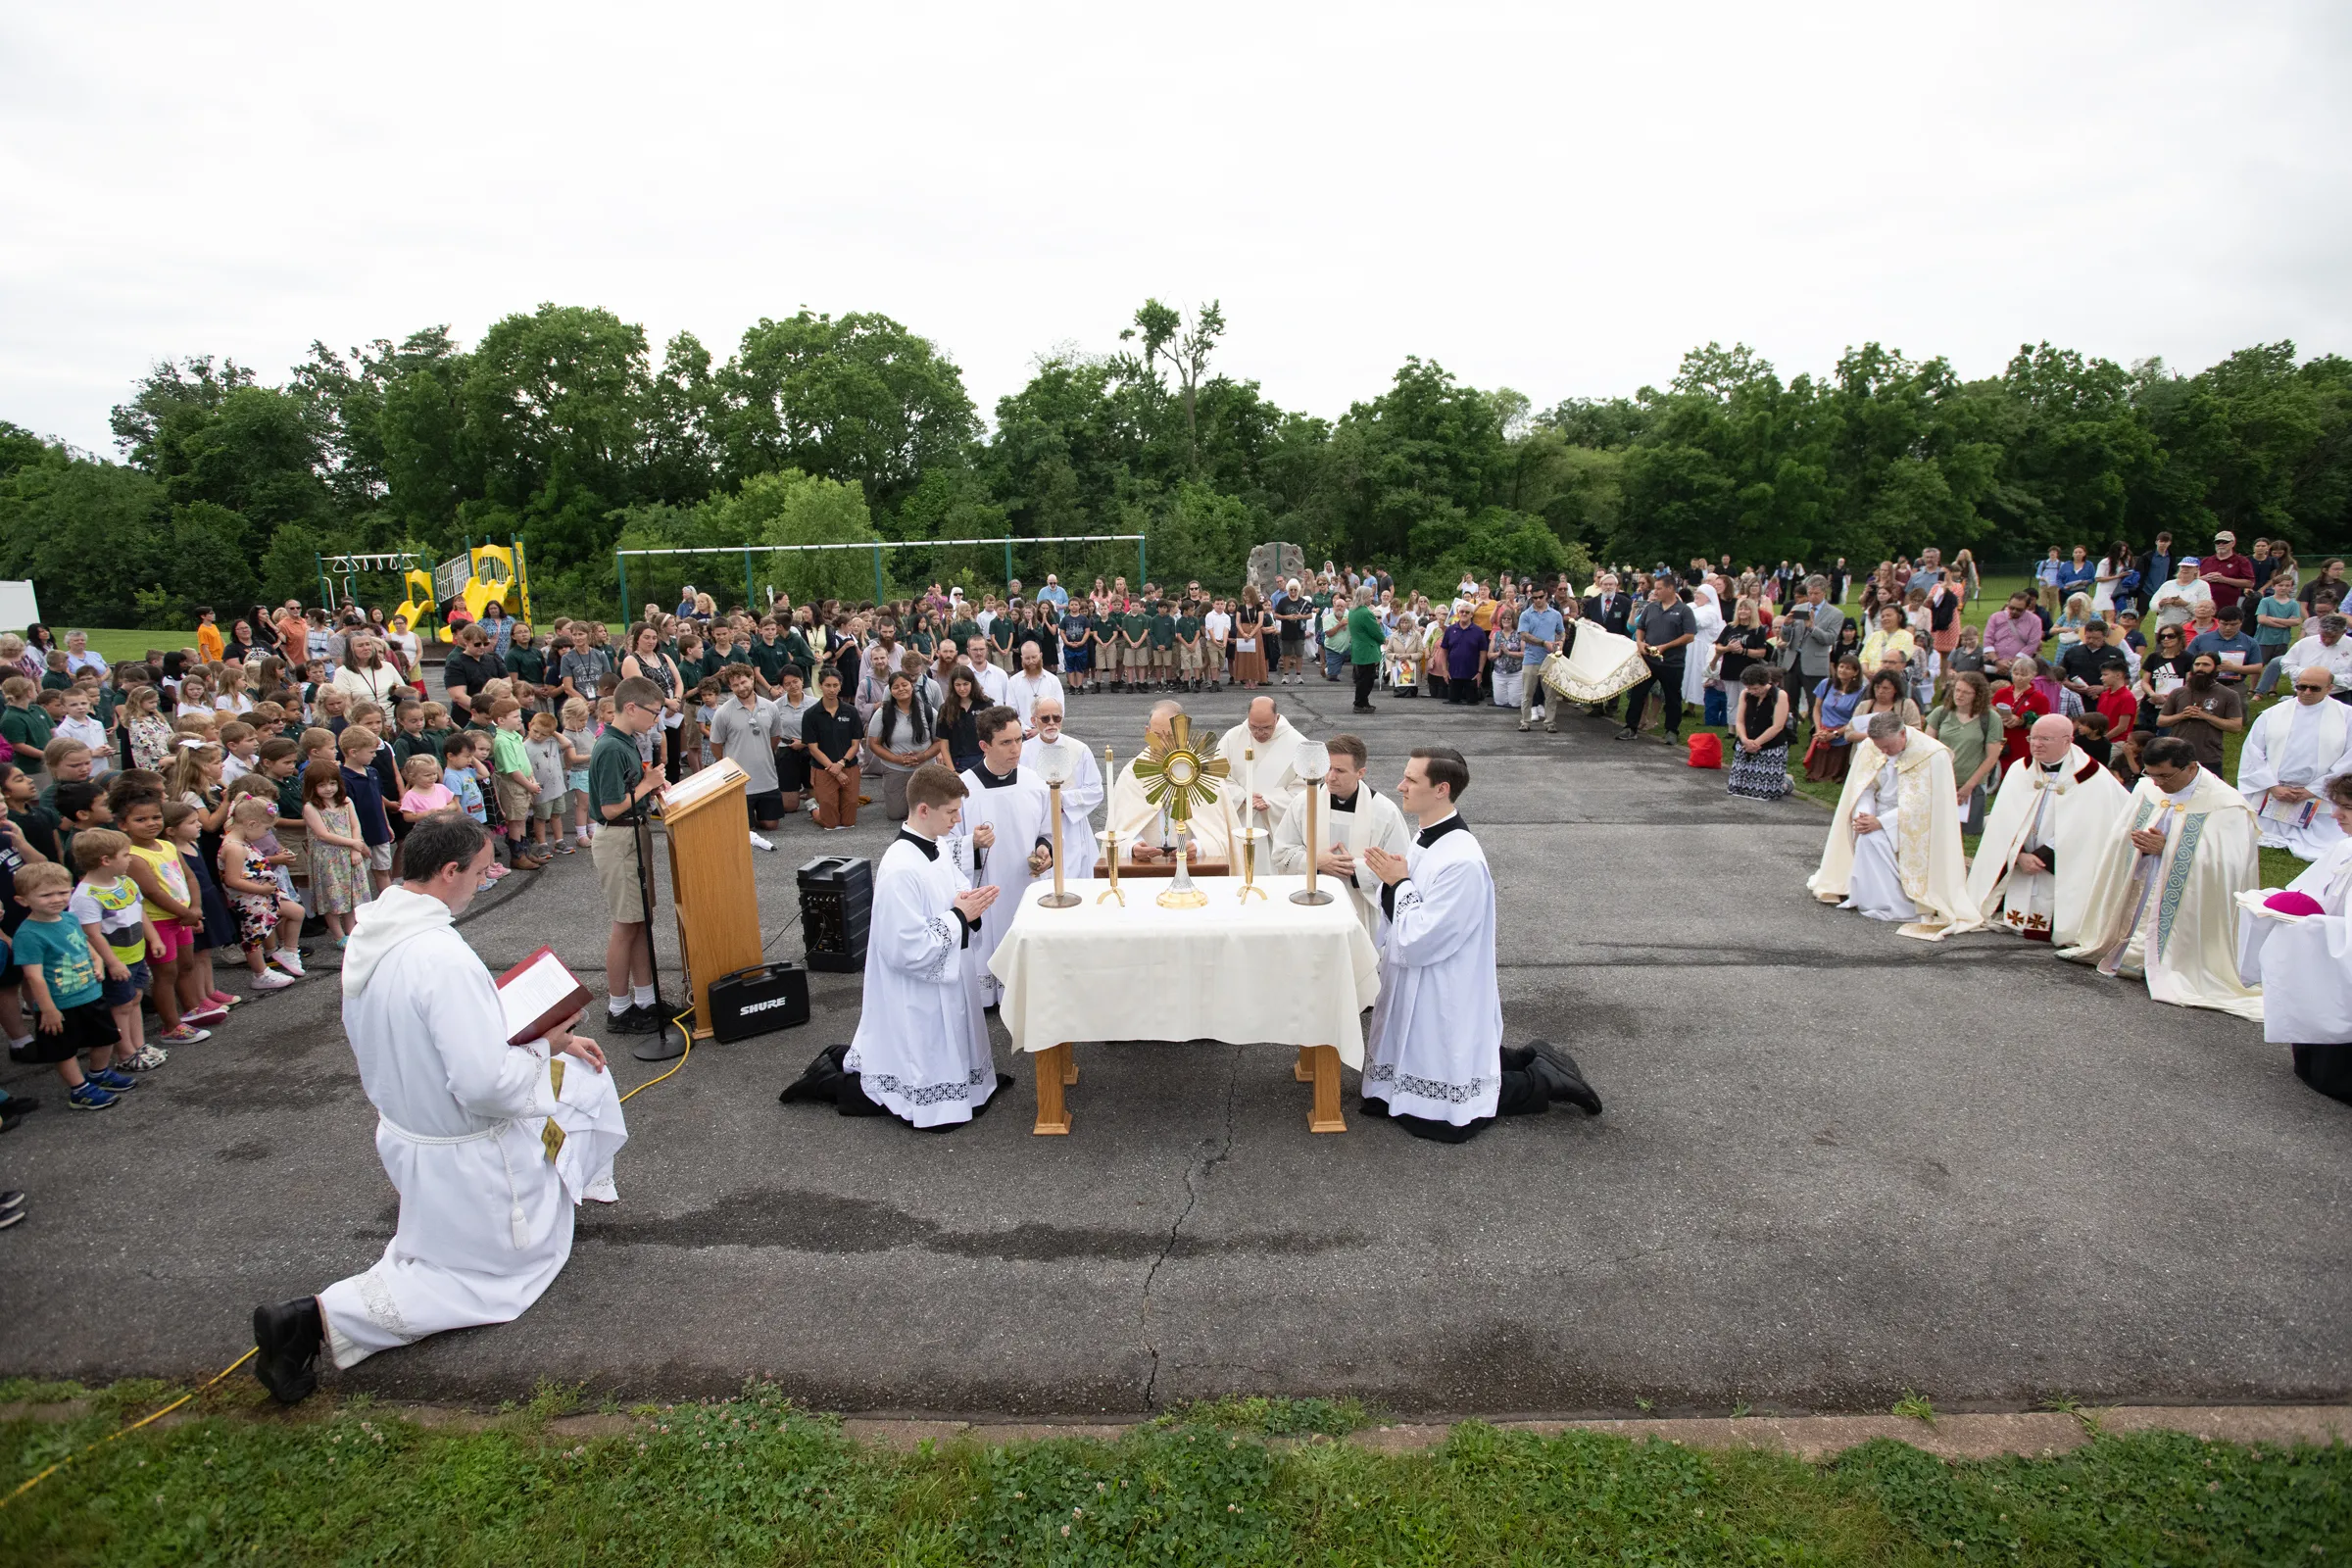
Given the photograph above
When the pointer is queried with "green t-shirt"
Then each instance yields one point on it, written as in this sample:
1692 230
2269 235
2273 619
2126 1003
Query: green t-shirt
922 642
768 659
289 797
59 950
1164 630
55 680
1364 636
960 632
30 729
1187 627
508 755
1137 625
526 665
612 769
406 745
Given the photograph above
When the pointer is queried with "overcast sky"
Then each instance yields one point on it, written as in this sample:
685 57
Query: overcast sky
1560 198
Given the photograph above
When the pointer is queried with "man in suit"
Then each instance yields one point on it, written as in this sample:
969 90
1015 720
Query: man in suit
1608 606
1814 625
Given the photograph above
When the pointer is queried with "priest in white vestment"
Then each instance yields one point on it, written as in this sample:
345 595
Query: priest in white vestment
2296 943
1436 1062
2049 827
2163 904
1707 605
1894 850
1138 819
1005 837
2291 751
1352 818
1271 778
921 1051
1033 683
487 1145
1079 797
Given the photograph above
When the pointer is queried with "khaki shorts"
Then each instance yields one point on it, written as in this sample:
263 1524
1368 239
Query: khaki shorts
380 857
1193 658
513 802
615 853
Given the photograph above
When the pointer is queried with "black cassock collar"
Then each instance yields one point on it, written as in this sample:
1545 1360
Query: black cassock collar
1453 823
993 781
1348 805
929 849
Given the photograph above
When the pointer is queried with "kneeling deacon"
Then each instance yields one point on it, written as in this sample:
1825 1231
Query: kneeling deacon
2050 823
921 1051
1360 818
1893 852
489 1143
1436 1064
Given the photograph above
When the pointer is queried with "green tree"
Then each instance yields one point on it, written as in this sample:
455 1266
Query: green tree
1184 349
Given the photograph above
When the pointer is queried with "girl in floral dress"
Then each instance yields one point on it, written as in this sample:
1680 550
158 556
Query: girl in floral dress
338 855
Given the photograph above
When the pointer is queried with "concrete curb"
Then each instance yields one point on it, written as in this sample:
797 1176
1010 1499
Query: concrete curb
2039 1434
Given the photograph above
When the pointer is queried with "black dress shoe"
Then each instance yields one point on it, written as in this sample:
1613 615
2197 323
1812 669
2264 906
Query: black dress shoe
1364 708
288 1337
820 1082
1562 1079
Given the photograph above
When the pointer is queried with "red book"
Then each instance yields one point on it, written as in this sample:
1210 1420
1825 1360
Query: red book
537 994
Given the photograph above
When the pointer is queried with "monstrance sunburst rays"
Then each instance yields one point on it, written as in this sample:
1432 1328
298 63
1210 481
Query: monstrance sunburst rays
1182 774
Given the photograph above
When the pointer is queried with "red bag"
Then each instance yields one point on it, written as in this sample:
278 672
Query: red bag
1707 751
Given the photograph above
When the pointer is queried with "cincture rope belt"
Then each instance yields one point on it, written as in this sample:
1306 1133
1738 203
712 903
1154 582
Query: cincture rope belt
515 1217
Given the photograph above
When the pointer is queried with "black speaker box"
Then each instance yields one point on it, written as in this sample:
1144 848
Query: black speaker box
757 1000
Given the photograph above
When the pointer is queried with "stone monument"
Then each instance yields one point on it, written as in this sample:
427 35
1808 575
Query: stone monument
1273 565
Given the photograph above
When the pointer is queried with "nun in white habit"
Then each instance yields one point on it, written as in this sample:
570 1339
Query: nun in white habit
1437 1063
1699 657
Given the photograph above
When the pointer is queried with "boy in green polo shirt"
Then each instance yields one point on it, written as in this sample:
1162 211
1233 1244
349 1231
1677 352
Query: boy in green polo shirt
617 785
1163 643
1188 658
1135 635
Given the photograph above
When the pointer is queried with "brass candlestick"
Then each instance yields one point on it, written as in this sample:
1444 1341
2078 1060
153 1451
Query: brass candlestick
1249 837
1058 899
1313 763
1109 838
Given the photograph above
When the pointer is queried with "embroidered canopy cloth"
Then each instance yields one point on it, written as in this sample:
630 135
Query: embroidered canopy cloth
1268 971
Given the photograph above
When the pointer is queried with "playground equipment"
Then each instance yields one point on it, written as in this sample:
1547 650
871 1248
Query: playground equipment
485 571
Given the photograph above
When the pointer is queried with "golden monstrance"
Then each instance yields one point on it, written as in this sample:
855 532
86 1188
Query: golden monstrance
1180 778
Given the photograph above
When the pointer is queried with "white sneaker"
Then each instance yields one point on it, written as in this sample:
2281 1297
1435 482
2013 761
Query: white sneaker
288 959
272 980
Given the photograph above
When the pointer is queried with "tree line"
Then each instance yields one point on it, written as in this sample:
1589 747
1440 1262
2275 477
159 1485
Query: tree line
560 427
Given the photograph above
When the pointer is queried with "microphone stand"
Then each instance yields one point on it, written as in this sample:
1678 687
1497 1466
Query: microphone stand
639 819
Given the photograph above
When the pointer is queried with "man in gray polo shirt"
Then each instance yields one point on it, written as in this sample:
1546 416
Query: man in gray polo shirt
746 729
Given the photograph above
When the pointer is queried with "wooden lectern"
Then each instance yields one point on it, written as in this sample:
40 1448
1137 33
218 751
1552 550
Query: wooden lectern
704 817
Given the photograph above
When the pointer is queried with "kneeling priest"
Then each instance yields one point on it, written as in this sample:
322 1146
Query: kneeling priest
2297 945
1894 850
2056 811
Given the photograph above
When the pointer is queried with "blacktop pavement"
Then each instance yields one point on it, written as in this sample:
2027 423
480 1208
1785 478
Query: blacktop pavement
1835 1165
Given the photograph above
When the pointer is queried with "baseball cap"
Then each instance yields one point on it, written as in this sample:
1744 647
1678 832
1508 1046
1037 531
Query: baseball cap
2224 537
2189 560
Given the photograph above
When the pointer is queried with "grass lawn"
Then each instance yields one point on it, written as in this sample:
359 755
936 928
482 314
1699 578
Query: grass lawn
1242 1482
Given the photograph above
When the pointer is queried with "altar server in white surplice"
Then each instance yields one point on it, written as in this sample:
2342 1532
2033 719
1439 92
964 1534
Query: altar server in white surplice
463 1130
1079 797
2291 751
2162 905
2051 822
1272 773
1437 1063
1007 835
2296 943
1360 817
921 1049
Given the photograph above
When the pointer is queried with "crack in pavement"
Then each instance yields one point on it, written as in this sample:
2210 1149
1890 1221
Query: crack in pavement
1194 1173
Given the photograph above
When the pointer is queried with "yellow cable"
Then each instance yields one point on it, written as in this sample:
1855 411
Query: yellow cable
678 1023
126 1430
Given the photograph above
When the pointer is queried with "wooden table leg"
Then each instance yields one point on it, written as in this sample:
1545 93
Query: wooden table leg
1305 1068
1326 1117
1053 1116
1070 1062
